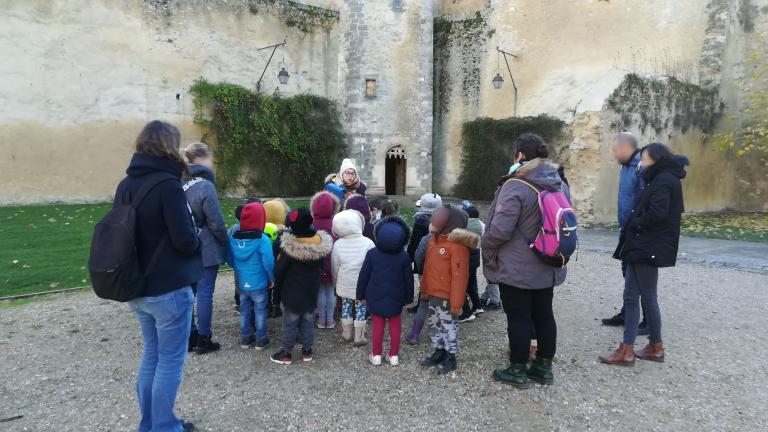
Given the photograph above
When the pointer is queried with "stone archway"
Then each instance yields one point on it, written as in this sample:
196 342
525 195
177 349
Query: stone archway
394 171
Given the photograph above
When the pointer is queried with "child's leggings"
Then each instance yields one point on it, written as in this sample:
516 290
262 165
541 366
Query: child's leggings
348 307
378 334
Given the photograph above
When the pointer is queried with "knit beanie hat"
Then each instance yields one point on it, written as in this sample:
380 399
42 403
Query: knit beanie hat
429 203
253 217
300 222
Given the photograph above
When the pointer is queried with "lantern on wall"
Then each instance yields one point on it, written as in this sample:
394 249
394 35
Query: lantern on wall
497 81
283 76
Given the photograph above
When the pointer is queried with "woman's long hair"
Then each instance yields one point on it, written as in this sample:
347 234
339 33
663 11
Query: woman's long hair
161 139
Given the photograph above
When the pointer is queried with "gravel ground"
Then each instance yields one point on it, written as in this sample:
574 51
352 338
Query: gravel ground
69 364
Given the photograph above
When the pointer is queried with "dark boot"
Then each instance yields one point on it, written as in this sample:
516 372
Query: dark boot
652 352
448 364
624 356
192 341
205 345
541 371
515 375
413 336
435 359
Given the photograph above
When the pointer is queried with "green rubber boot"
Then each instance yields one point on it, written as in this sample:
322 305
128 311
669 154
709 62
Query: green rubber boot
541 371
515 375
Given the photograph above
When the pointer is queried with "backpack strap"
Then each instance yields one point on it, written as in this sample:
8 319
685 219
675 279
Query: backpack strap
538 192
193 181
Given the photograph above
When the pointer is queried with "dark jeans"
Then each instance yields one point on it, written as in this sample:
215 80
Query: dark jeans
474 296
529 310
624 275
640 285
298 325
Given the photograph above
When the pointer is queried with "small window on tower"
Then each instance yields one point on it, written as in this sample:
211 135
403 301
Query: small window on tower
397 4
370 88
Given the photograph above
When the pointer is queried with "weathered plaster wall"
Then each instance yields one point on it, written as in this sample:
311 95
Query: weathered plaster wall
81 78
394 47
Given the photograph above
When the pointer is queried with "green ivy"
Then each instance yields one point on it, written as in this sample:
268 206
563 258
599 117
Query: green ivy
485 150
269 144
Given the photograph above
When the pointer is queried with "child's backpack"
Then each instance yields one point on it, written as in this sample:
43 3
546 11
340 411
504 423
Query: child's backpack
556 240
116 272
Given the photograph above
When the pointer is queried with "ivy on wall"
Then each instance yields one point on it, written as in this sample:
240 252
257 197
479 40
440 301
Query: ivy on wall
269 144
486 152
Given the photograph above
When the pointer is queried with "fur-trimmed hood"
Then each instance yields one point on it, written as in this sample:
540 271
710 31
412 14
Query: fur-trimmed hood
465 237
306 248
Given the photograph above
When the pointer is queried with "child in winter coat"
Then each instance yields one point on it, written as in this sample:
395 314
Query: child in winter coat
297 277
346 261
324 206
444 285
385 285
475 225
250 254
360 203
276 210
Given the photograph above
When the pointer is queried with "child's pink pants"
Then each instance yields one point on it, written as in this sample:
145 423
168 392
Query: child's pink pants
378 334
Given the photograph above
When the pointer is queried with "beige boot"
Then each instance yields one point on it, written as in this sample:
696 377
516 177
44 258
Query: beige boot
360 339
346 329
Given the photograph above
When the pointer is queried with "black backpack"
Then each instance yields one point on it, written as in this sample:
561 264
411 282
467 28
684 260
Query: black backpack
116 272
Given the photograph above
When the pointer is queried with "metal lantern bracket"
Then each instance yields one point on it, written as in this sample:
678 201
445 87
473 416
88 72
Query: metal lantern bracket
498 80
282 75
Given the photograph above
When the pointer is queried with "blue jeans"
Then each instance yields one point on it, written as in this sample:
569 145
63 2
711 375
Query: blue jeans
205 299
253 312
298 325
165 324
640 285
326 303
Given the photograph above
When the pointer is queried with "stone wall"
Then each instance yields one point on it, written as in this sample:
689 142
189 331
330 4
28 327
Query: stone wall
80 79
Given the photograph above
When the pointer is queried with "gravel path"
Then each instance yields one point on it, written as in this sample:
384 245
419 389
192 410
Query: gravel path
69 364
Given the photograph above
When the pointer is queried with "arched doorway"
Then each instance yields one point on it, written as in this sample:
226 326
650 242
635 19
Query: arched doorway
394 171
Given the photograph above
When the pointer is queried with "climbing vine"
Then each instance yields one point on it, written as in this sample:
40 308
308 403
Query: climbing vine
486 152
269 144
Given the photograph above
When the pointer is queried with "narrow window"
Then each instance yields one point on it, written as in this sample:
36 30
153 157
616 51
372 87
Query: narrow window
397 4
370 88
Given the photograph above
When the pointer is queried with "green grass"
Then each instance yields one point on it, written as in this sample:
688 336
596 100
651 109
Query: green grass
46 247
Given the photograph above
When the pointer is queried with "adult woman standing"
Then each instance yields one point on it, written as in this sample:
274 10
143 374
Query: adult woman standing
169 249
526 283
202 197
649 241
347 180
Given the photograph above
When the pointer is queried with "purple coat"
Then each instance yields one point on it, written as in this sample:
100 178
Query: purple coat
360 203
324 206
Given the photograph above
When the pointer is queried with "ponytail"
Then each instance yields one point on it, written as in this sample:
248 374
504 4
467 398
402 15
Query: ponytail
531 146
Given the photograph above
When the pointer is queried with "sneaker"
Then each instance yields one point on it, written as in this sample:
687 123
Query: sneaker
237 309
306 355
374 360
247 342
447 365
393 360
322 325
491 306
281 357
192 341
467 317
614 321
262 344
330 324
205 345
479 311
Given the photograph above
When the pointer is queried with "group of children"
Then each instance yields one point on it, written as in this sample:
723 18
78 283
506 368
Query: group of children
294 264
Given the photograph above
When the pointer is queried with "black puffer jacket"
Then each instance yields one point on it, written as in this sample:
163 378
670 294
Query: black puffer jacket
297 270
164 213
653 232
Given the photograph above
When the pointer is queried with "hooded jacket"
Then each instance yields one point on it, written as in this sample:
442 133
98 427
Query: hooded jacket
652 234
164 226
349 252
204 201
325 205
360 203
338 178
630 186
297 270
250 254
446 262
386 279
276 210
514 219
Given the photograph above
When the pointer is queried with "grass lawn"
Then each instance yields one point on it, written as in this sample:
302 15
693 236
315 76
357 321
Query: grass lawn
46 247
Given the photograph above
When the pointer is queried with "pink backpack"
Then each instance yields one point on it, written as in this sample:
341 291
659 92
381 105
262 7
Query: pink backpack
556 240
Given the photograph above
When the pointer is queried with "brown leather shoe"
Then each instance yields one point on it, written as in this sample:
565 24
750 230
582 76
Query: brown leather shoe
652 352
624 356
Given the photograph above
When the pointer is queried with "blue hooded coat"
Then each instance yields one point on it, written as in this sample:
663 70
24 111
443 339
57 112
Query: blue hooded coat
250 254
630 185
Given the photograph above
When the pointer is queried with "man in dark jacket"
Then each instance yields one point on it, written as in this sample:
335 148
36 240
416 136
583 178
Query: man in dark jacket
625 151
